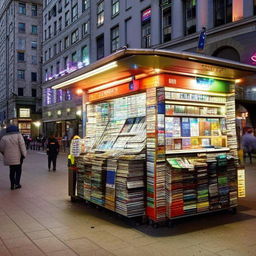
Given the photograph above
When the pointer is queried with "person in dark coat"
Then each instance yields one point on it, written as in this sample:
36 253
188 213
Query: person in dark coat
249 144
52 152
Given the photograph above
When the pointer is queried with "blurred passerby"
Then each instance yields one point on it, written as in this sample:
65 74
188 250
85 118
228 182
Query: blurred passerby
249 144
13 148
52 152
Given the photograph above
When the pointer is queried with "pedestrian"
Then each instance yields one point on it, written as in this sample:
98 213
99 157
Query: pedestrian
249 143
2 132
13 148
52 152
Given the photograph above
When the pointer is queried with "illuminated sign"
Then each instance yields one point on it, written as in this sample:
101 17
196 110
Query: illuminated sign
241 182
24 112
115 91
146 15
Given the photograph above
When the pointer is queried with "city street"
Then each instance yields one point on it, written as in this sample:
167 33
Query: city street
39 219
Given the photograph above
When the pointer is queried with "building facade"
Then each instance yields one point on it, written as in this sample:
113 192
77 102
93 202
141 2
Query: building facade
20 64
163 24
66 45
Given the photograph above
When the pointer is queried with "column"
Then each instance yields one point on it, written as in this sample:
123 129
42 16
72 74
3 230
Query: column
202 13
177 19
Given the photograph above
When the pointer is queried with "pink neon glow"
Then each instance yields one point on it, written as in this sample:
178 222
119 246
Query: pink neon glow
253 57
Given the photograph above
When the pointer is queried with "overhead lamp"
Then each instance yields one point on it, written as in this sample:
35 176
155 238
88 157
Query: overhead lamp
79 91
108 85
86 75
237 81
79 112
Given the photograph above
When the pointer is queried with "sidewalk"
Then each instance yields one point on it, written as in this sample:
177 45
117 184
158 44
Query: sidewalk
39 219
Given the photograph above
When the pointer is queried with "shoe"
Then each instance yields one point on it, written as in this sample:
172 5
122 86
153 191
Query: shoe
54 170
49 170
17 186
12 187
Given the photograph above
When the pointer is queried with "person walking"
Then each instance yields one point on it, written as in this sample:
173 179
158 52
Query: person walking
52 152
249 143
13 148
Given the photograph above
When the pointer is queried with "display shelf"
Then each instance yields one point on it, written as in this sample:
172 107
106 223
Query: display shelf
197 115
203 150
195 101
198 103
200 137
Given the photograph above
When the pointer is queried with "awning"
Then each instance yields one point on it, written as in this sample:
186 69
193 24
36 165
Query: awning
138 63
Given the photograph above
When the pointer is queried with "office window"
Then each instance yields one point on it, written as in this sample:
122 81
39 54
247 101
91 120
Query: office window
66 2
45 19
85 5
84 28
54 11
34 10
167 21
45 34
55 28
74 58
33 59
65 66
74 36
50 53
60 23
22 28
54 49
100 46
21 56
21 74
85 55
222 12
66 42
46 74
45 56
33 76
33 92
20 91
115 7
51 70
49 32
254 7
114 38
100 13
146 28
60 46
34 29
34 44
57 67
22 8
74 13
190 16
21 44
66 18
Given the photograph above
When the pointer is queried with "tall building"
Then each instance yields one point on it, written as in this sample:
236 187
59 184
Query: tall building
20 64
167 24
66 44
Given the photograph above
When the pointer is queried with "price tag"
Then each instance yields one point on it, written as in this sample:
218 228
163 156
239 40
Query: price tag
241 182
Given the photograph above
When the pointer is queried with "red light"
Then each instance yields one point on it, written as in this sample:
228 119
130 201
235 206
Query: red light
79 91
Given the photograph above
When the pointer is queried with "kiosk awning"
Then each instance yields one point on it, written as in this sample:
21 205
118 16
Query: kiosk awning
139 63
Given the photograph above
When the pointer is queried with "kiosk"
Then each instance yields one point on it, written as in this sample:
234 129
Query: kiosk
159 133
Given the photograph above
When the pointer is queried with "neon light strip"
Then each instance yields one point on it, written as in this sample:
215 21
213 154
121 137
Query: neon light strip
86 75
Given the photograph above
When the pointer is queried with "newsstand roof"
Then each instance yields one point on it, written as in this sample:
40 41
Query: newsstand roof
144 62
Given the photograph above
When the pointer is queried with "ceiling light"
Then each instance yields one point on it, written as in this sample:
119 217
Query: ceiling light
86 75
105 86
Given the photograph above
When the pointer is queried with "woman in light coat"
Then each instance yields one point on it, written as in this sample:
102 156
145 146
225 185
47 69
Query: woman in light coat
13 148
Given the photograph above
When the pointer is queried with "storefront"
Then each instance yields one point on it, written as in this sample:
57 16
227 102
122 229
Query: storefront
159 134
